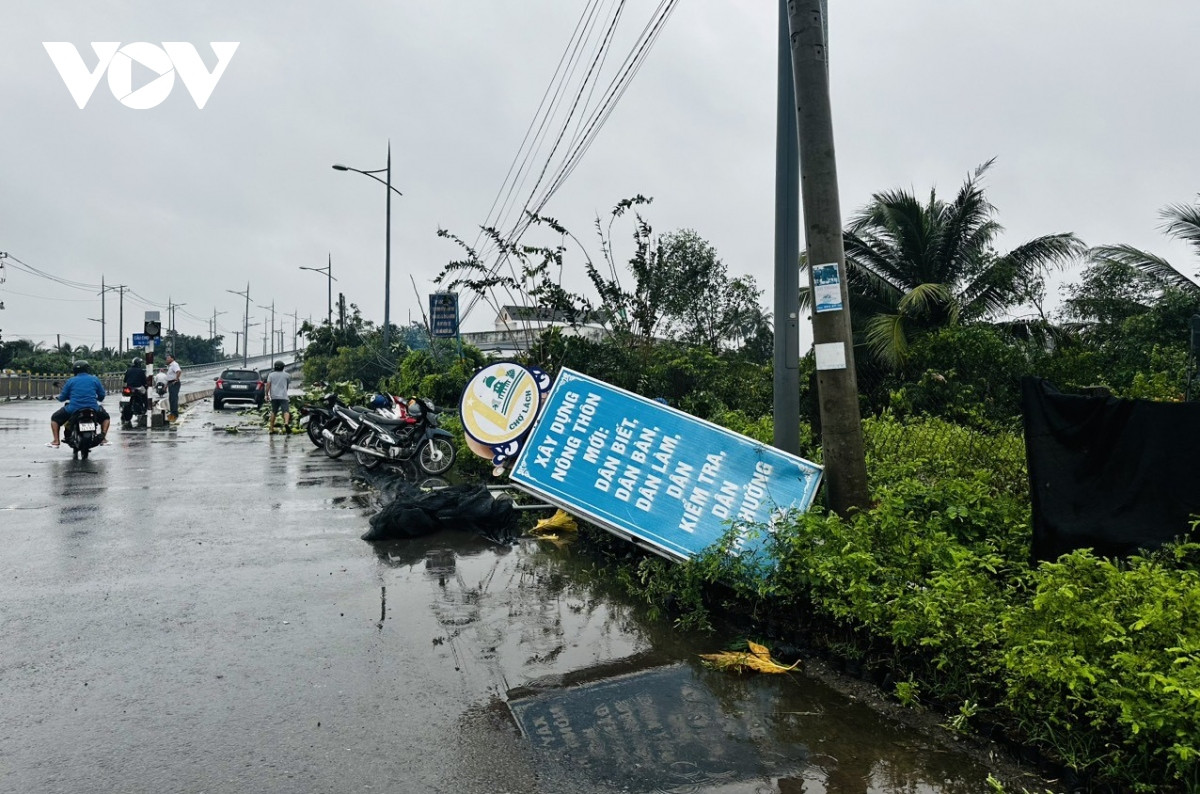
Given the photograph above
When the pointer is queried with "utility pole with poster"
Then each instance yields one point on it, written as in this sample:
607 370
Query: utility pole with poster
837 385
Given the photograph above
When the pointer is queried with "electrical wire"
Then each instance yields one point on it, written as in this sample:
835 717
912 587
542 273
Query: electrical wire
587 126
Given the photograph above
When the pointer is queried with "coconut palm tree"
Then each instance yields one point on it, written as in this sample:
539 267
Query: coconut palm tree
916 266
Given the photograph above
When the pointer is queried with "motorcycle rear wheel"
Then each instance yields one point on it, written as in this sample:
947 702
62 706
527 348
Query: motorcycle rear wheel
367 460
336 447
314 432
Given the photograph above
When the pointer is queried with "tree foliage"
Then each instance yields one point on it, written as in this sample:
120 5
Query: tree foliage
673 286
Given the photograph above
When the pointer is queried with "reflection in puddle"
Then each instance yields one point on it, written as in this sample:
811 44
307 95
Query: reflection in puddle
75 514
660 730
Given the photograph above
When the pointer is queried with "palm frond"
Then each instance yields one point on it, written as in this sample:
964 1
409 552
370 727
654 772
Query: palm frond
995 288
1153 267
1039 332
886 340
873 264
1183 223
924 299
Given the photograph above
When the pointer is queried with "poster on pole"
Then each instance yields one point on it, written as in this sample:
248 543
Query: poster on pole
827 286
653 474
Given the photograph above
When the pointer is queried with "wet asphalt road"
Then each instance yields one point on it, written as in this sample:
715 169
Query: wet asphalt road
192 610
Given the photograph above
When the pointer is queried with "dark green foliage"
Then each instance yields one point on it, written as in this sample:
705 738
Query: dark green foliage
24 355
690 378
968 374
191 350
1103 664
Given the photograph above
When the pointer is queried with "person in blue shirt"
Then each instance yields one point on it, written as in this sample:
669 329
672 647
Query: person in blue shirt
82 390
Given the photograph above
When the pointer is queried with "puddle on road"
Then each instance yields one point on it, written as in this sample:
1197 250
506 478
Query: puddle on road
14 423
652 718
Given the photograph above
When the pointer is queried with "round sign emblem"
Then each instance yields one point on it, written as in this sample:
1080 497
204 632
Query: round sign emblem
500 403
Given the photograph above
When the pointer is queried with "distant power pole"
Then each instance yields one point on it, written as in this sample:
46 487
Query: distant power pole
837 385
103 314
295 315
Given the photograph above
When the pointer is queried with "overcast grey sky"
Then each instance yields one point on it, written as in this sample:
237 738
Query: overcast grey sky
1086 104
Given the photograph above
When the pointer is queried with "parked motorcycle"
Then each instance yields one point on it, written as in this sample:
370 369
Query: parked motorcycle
375 439
82 432
314 417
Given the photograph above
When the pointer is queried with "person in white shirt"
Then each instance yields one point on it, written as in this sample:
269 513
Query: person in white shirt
174 381
277 392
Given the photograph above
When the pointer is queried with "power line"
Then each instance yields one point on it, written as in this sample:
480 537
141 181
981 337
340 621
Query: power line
587 126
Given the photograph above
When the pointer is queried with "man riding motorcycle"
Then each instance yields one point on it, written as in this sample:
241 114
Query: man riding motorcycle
82 390
135 376
136 381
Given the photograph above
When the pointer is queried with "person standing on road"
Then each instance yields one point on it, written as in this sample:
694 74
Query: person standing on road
174 381
278 383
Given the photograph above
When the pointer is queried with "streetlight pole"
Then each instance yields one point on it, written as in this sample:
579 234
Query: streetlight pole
272 308
387 256
103 314
171 307
245 324
101 321
328 271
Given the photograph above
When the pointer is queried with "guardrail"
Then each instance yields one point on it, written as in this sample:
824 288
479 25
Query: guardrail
30 386
43 386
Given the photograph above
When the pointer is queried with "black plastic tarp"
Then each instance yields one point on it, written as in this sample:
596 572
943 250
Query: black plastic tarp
409 511
1108 474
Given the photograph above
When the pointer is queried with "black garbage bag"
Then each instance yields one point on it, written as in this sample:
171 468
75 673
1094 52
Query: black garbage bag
412 512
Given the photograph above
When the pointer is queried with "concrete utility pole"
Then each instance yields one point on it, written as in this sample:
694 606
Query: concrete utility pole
787 250
121 317
103 315
213 333
837 384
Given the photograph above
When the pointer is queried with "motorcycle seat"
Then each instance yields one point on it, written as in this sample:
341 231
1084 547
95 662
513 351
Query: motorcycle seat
386 422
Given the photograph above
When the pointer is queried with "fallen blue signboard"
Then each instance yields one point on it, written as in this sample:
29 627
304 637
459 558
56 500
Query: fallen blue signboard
653 474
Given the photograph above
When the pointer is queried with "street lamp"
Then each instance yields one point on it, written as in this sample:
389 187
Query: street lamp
387 256
101 321
272 308
328 271
171 307
246 323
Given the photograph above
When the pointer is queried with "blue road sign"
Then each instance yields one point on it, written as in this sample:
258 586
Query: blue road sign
654 474
443 315
141 340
